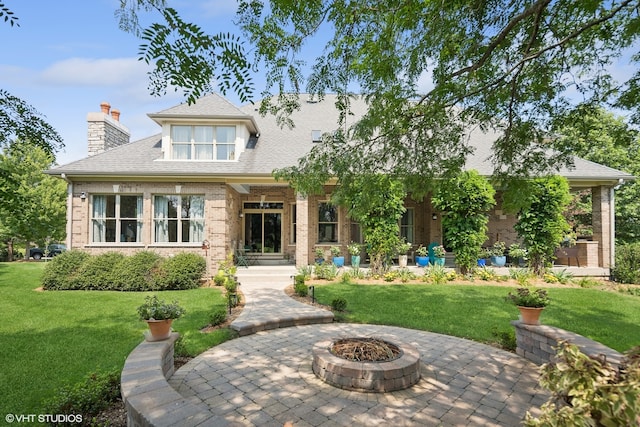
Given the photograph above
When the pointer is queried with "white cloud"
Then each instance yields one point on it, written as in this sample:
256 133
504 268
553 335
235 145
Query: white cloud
94 72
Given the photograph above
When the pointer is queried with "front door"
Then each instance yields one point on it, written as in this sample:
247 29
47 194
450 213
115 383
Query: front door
263 227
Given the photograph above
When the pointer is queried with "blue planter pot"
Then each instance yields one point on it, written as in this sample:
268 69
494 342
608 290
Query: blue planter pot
498 261
438 261
338 261
422 261
355 261
482 262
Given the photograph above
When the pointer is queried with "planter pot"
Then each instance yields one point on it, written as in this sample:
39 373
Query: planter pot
530 315
319 261
438 261
422 261
482 262
498 261
159 329
338 261
402 261
355 261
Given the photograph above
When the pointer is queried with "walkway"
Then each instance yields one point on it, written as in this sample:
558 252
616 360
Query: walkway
265 379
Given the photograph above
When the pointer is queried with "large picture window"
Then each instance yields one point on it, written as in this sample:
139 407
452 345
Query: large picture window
116 218
406 225
203 142
327 223
178 219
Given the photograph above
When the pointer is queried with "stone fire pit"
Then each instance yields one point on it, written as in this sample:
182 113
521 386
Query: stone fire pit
372 364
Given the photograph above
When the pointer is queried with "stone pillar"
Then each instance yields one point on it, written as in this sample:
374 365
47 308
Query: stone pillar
302 230
601 203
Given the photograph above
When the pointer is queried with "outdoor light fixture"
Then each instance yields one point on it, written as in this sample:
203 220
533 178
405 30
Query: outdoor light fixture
241 215
434 217
83 196
312 291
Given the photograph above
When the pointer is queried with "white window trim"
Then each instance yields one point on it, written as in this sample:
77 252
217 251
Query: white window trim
236 143
118 220
178 219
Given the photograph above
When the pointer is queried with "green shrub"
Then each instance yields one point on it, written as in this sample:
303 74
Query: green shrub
436 274
521 275
86 398
62 271
627 268
326 271
505 339
486 274
339 304
217 317
135 272
301 289
588 391
306 271
182 271
97 272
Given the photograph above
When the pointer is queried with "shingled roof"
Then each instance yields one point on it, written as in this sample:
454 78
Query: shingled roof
276 147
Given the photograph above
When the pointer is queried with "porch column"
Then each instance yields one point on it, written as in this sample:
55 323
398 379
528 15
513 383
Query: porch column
302 230
603 224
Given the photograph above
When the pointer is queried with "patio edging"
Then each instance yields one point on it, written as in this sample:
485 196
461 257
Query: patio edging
538 343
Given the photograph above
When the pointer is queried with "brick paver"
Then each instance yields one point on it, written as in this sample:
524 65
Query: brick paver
265 378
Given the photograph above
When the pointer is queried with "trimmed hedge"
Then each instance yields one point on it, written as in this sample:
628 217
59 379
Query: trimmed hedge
627 268
144 271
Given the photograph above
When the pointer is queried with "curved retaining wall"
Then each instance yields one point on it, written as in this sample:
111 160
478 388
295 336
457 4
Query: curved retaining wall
148 397
538 343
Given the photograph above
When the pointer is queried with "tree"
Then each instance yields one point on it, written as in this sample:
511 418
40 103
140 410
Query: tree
38 208
602 137
539 205
511 65
465 201
377 203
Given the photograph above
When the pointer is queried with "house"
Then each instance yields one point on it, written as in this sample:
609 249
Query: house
204 184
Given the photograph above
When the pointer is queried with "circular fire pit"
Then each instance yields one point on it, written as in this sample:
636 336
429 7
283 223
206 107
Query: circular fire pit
391 367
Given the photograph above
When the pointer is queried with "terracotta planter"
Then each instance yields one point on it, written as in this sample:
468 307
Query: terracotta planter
159 329
530 315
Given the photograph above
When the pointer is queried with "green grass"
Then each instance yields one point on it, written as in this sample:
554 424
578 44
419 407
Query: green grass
51 338
478 312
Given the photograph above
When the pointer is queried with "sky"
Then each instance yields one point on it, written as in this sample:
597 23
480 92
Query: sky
68 56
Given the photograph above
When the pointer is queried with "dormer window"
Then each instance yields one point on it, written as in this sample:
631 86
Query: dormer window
203 142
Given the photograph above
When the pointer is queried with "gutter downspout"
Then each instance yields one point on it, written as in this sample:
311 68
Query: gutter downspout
68 240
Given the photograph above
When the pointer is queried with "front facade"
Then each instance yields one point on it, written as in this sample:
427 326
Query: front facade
204 184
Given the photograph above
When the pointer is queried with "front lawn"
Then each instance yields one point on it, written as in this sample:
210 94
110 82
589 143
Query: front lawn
55 337
479 312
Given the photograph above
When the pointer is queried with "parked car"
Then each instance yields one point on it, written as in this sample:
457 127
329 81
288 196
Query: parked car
50 251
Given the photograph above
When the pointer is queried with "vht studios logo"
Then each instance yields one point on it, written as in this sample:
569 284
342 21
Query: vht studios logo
43 418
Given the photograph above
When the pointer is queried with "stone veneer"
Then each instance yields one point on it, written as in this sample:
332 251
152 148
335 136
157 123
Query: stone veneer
538 343
381 377
149 399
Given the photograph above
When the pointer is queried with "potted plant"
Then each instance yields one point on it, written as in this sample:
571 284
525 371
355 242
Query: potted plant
338 260
517 254
319 255
498 258
483 254
530 301
159 314
422 258
354 250
439 252
403 248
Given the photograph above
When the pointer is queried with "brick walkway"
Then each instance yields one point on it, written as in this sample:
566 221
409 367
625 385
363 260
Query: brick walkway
265 379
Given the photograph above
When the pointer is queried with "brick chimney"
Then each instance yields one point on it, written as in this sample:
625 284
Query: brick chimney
105 130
